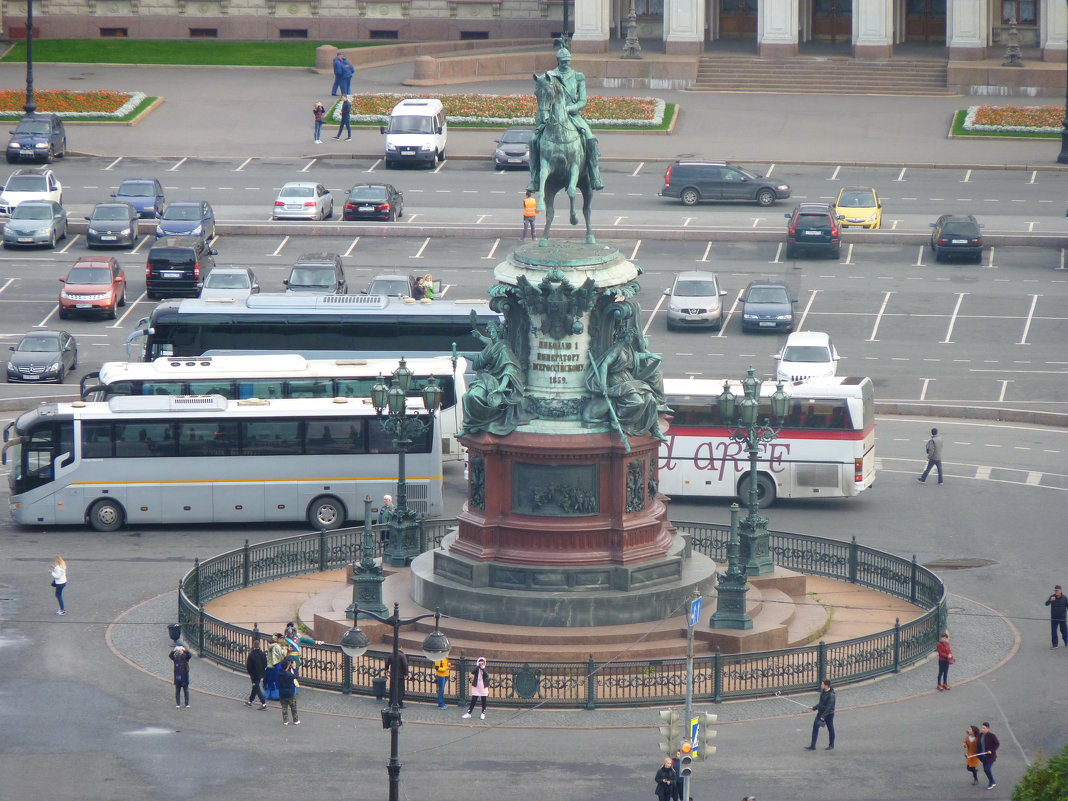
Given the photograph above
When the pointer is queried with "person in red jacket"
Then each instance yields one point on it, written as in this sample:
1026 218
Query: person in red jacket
945 659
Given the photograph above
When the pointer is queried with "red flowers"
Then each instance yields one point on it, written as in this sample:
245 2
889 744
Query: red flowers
96 102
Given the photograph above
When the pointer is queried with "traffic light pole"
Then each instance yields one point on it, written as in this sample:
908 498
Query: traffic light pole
689 697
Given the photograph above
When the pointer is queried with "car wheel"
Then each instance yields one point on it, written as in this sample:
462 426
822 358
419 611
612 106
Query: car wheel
400 211
113 311
765 197
7 246
765 488
11 160
670 325
152 296
122 300
106 515
937 254
392 216
61 375
63 150
326 513
790 252
329 213
979 258
63 314
836 252
52 239
689 197
50 156
388 162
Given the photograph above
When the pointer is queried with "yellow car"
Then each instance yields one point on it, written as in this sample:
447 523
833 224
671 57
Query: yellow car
859 207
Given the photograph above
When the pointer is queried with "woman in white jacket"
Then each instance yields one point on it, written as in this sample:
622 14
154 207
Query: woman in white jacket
59 581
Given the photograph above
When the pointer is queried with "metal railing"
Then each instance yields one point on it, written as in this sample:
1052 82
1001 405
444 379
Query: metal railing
588 684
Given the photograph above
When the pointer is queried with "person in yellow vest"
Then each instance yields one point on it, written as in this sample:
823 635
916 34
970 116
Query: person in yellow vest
441 676
530 212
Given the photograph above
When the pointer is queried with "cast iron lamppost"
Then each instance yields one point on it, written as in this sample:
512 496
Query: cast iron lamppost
30 106
436 647
391 407
743 425
1062 158
367 575
732 586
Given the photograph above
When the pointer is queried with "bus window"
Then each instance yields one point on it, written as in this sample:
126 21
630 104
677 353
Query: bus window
311 389
163 388
268 390
207 438
211 387
143 439
96 440
382 441
339 435
355 387
270 437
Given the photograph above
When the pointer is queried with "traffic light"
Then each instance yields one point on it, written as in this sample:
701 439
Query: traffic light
670 731
686 759
705 733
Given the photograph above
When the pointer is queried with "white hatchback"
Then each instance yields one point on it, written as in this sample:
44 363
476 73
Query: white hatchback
29 185
806 354
303 200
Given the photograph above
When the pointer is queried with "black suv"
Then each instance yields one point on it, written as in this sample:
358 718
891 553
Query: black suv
176 267
318 274
813 226
37 137
957 235
694 181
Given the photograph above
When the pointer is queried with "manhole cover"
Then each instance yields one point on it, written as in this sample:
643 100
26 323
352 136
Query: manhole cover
960 563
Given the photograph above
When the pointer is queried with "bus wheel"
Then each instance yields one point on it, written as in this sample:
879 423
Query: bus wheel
326 513
106 516
765 490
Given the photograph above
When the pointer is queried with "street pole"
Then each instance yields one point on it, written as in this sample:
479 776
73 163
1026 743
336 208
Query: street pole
689 691
30 106
394 767
1062 158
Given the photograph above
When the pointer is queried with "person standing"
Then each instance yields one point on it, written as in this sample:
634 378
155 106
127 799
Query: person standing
276 652
988 752
676 765
945 659
934 456
1058 614
530 213
665 781
824 710
339 62
402 675
441 678
58 569
287 692
180 656
318 112
346 112
256 665
347 71
386 509
480 688
428 286
971 748
292 642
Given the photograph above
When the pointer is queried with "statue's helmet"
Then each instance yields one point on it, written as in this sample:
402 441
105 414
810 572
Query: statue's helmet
563 54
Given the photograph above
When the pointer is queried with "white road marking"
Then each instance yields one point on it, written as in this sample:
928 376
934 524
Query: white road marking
181 161
1004 385
879 317
919 258
128 312
687 220
481 217
967 177
834 175
849 255
114 163
139 246
953 318
756 221
352 247
708 249
634 253
1033 479
1030 317
1062 260
437 169
282 244
808 307
308 166
982 472
1034 175
1030 227
923 390
444 289
990 262
70 241
44 322
372 167
652 315
901 175
7 283
778 254
493 249
419 255
619 220
637 170
411 217
770 170
244 164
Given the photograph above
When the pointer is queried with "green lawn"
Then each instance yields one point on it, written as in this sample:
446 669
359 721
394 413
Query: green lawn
210 53
957 129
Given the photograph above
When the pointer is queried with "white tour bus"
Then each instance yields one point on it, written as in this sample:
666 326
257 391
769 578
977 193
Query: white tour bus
826 448
281 376
207 459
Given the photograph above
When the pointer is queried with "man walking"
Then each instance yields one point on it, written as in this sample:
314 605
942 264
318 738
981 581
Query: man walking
988 752
346 111
530 213
934 456
1058 615
824 716
256 665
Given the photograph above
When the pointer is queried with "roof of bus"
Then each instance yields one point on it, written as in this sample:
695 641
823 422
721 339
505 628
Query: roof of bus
711 388
274 304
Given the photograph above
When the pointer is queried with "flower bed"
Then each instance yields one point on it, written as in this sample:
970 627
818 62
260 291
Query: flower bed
96 105
613 112
1020 119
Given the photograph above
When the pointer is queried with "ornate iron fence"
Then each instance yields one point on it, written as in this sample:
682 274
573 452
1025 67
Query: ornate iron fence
588 684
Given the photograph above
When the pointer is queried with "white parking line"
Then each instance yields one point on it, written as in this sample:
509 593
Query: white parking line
114 163
708 249
48 317
352 247
990 262
70 241
1004 384
1030 227
372 167
128 312
444 289
808 307
308 166
243 165
619 220
1030 317
834 175
757 221
1034 175
769 172
278 250
139 246
919 258
181 161
652 314
686 221
493 249
849 255
481 217
637 170
901 175
778 254
634 253
953 318
437 169
879 317
7 283
967 177
411 217
923 390
419 255
1062 267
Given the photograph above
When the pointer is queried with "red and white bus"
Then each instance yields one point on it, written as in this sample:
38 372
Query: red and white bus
826 448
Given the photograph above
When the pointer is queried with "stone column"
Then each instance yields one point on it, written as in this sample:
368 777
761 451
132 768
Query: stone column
777 24
684 27
967 29
873 29
1053 19
592 26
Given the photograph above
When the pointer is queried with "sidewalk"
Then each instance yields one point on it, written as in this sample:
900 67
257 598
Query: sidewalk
237 112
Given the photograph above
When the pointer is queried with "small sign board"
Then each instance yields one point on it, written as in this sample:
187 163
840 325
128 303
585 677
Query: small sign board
695 611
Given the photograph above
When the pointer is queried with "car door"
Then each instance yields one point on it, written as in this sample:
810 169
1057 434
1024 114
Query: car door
207 220
708 181
326 200
118 280
157 187
734 185
59 220
69 356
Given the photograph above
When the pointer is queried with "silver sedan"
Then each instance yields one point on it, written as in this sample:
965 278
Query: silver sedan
36 222
303 200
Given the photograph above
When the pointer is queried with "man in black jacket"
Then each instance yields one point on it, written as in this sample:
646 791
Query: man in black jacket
824 716
1058 615
256 665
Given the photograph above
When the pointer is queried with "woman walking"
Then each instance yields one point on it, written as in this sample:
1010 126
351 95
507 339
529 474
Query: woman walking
58 570
318 110
479 687
945 659
665 780
971 748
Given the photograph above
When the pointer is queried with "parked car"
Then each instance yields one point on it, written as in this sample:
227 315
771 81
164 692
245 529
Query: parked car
31 184
302 200
694 301
187 218
957 235
695 181
859 207
805 355
513 149
417 132
230 282
767 306
112 224
176 267
813 226
373 202
392 286
43 356
319 274
144 194
36 222
37 137
95 284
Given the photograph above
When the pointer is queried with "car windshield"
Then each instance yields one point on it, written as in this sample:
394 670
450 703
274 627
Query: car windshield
368 193
806 353
38 343
182 213
309 277
516 137
89 275
110 213
767 294
33 127
34 211
137 189
411 125
297 191
26 183
227 281
962 229
695 289
398 288
858 199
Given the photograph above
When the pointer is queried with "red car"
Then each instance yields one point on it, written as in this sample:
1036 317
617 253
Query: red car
95 284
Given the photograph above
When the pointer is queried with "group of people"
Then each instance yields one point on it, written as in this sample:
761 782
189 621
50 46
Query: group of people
343 72
424 287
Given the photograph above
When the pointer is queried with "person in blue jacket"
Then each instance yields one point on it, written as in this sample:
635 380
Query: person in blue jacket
287 692
339 64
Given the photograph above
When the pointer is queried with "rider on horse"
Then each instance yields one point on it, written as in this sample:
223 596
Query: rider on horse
574 85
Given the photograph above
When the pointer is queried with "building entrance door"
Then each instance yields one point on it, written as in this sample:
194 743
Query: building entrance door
738 19
925 20
832 20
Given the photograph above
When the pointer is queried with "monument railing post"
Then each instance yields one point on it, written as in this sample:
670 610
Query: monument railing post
591 684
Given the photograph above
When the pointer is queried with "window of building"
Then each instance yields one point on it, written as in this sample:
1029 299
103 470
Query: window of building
293 33
473 35
1023 11
383 35
649 8
203 33
114 33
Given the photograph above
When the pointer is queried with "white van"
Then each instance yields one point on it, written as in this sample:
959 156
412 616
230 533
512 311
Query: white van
416 132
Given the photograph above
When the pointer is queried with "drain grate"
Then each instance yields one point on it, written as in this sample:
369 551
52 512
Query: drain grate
961 563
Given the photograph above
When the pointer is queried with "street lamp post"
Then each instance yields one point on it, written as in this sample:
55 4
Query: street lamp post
30 106
367 575
743 425
436 647
1062 158
392 409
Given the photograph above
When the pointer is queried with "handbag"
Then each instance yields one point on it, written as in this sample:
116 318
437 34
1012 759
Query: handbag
53 582
952 661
